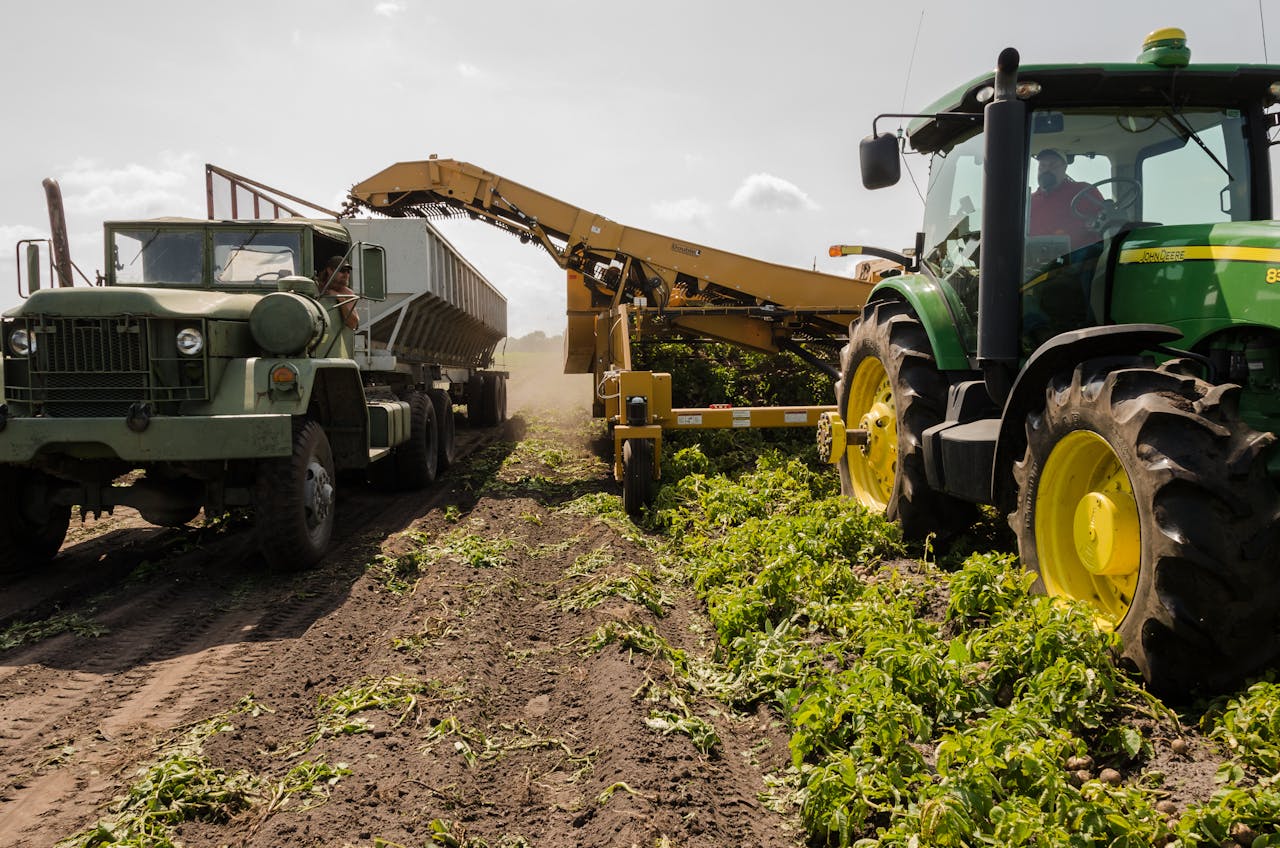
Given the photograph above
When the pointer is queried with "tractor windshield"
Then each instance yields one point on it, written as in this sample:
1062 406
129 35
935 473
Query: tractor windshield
1095 172
952 224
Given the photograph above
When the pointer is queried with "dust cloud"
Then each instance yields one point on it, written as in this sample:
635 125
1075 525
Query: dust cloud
537 382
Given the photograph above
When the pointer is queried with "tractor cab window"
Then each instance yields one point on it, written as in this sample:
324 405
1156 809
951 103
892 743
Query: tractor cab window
1095 173
952 225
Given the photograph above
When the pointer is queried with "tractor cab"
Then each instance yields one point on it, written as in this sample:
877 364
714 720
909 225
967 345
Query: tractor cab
1106 150
1093 174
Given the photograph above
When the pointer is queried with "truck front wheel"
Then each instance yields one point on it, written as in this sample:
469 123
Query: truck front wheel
294 502
1144 495
31 527
890 386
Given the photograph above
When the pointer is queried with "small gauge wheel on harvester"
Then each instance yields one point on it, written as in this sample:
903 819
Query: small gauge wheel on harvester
637 475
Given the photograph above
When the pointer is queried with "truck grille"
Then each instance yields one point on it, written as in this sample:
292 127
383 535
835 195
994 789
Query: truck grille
100 367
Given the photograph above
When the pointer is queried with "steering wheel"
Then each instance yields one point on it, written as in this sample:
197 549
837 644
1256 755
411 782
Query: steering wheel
1126 192
279 275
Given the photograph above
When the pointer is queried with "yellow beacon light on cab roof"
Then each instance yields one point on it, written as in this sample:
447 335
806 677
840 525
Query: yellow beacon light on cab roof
1166 48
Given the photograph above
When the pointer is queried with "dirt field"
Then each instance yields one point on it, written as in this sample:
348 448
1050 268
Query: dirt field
444 675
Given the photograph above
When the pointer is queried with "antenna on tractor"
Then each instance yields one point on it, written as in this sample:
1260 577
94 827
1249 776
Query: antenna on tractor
1262 20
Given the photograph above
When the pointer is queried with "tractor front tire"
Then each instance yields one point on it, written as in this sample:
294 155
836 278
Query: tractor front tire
294 500
1143 494
890 385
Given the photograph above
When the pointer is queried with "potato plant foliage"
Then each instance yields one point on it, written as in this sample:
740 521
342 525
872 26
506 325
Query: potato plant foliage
940 708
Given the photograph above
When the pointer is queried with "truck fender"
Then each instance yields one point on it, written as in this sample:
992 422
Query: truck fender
1059 353
337 402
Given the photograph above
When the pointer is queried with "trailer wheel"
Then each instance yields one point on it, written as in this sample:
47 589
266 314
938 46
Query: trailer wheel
890 385
31 528
500 404
1143 494
444 428
637 475
416 461
475 401
294 501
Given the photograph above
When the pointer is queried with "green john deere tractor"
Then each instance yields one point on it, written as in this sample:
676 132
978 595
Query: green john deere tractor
1087 336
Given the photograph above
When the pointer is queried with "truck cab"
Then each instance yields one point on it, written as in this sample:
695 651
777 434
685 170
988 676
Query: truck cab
209 369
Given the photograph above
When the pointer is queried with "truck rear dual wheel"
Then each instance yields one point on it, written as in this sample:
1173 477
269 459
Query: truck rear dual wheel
417 460
890 386
294 501
31 528
638 484
1143 494
448 449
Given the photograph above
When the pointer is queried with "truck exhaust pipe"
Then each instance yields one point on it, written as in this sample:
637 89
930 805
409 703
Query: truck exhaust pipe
1000 265
58 232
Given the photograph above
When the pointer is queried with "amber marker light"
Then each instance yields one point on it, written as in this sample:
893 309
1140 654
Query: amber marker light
283 375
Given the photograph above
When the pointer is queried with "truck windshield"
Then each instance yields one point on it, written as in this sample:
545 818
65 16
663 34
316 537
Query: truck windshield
255 257
151 255
240 258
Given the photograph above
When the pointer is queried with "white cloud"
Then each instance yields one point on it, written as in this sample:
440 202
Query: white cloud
468 70
132 190
683 211
389 9
10 234
767 193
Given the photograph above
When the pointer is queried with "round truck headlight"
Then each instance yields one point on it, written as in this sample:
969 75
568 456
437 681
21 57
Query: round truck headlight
190 342
22 342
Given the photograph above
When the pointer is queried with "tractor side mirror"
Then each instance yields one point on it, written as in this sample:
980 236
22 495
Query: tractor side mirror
879 158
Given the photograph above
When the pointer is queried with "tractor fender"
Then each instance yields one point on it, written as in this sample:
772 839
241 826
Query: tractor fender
927 301
1059 353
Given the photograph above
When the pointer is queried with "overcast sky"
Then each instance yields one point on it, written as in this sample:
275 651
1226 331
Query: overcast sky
732 124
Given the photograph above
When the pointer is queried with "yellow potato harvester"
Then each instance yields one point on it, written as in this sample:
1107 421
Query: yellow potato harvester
623 281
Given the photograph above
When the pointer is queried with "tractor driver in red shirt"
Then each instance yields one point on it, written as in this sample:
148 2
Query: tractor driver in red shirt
1051 204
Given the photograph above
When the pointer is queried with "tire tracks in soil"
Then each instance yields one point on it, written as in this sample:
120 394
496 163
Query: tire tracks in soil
174 649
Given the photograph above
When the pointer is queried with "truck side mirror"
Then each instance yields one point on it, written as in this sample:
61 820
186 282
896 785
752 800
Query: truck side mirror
879 158
373 271
33 267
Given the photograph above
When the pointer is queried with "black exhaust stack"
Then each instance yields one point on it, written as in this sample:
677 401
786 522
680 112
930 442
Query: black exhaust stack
1000 266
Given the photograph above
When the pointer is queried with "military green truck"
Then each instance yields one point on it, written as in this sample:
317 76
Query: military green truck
1087 336
207 370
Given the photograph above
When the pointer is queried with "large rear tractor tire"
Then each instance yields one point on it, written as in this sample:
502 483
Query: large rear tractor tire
637 475
417 460
448 446
890 385
294 500
31 527
1143 494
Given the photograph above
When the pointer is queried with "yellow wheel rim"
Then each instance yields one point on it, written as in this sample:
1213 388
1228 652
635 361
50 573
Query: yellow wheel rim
871 407
1088 537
